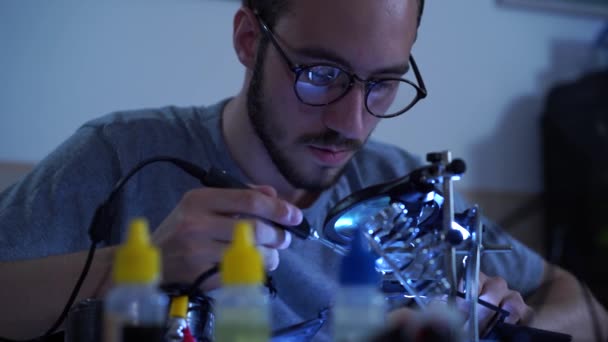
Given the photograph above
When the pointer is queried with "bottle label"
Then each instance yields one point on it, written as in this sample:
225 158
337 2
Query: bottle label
241 332
241 325
119 329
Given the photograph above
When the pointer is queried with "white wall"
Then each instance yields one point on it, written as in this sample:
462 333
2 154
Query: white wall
487 69
66 61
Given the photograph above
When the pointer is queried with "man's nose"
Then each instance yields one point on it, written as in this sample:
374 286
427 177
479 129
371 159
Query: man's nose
347 115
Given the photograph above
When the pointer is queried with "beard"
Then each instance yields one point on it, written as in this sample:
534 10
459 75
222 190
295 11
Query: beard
270 132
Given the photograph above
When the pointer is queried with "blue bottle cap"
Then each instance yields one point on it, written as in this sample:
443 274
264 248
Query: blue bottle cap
358 267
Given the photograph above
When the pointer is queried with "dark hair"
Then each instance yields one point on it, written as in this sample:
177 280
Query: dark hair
271 10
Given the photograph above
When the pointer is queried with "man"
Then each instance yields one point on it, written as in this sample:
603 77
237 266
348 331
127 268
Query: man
319 75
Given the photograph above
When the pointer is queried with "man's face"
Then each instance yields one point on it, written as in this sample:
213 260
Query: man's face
311 145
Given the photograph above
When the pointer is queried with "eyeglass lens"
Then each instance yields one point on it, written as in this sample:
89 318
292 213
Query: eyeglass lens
323 84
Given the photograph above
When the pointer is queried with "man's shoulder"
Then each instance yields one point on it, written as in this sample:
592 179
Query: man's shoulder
154 118
191 133
379 161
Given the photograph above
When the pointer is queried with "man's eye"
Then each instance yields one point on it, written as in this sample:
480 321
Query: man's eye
384 86
321 75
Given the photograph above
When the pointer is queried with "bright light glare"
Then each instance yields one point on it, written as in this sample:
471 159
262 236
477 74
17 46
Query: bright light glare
465 233
344 222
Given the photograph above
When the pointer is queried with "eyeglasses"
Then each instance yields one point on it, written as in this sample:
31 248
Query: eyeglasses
322 84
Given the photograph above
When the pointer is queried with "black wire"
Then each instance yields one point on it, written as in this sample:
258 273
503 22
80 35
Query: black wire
81 278
504 313
193 289
68 304
98 232
188 167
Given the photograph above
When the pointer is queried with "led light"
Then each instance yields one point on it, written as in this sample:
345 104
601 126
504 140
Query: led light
465 233
344 222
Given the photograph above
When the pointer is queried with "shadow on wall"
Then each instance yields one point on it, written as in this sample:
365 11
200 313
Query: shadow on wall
517 139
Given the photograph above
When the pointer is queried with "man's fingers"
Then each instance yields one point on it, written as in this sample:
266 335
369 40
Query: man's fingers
496 291
518 310
247 202
265 189
221 228
195 230
485 316
201 227
493 290
271 257
270 236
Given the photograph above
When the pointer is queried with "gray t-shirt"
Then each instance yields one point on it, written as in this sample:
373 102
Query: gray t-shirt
49 211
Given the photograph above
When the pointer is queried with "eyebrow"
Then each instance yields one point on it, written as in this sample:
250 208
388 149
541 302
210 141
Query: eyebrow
323 53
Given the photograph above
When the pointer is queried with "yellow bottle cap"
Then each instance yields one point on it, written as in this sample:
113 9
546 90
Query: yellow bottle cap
179 306
242 263
137 260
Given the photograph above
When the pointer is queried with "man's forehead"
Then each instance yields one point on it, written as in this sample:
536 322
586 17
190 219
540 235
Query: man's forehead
371 33
349 8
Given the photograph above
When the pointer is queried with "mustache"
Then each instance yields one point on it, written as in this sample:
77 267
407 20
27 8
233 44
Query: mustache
331 138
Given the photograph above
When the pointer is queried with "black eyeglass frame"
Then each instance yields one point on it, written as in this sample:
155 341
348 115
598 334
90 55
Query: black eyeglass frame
298 69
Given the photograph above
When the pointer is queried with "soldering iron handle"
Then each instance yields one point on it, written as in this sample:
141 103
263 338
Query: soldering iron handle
303 230
221 179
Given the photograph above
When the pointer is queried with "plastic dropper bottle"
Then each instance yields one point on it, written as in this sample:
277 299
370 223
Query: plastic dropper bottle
242 310
359 309
135 309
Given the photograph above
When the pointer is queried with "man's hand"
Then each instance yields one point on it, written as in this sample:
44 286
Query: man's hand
495 291
447 323
194 235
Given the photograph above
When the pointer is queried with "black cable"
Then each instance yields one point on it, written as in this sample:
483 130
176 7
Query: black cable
500 311
193 289
74 294
69 303
98 231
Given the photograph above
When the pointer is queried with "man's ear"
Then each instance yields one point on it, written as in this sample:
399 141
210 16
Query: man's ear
245 36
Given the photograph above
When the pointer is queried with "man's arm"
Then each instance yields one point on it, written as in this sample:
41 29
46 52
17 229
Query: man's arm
562 304
35 291
192 239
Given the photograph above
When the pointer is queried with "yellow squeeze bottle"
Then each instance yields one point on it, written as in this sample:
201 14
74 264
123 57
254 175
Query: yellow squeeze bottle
241 307
135 309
